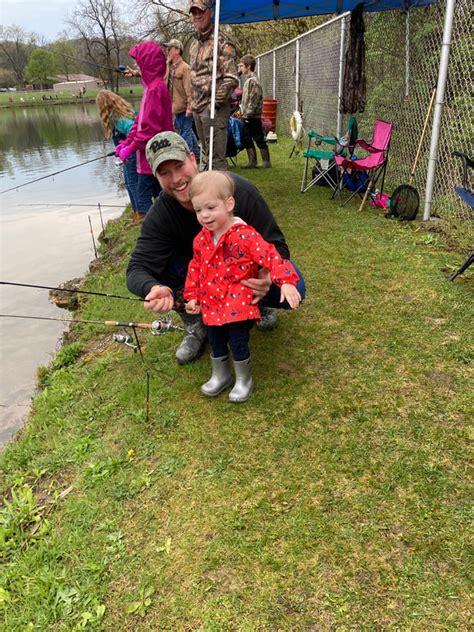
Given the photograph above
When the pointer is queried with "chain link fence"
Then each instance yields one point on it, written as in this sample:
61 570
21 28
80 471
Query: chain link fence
402 63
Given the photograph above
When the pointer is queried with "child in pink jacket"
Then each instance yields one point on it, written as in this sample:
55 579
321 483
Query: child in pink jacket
226 252
154 116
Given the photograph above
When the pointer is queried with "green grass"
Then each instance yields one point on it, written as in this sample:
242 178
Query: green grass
24 98
335 499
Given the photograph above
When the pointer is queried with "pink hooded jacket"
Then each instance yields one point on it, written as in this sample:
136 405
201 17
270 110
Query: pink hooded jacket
154 115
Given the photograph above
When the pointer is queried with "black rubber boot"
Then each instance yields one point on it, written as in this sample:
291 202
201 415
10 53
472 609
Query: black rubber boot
252 163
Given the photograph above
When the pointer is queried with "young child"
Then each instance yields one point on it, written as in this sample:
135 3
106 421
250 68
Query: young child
227 251
117 117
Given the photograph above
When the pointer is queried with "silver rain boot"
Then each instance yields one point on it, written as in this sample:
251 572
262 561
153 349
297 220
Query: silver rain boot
195 335
243 386
268 319
221 377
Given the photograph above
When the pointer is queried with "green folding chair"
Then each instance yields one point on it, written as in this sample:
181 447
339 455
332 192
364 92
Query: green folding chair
323 163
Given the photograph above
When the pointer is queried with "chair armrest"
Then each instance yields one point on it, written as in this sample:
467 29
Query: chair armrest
330 140
365 145
466 162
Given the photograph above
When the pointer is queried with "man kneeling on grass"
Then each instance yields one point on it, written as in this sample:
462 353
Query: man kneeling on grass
159 263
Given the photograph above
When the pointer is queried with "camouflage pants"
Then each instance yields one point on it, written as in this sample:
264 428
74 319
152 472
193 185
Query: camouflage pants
203 125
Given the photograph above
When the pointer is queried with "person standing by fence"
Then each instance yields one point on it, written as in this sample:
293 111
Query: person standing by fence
179 84
251 109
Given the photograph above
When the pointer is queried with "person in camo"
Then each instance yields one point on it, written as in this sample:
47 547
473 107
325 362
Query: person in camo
251 108
200 59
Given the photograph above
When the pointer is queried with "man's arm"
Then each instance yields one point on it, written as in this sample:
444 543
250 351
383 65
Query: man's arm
252 208
151 254
228 68
187 90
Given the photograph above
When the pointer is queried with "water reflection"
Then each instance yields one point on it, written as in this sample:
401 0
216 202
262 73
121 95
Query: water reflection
43 244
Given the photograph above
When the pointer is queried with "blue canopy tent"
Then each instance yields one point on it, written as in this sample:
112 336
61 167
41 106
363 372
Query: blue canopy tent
241 11
246 11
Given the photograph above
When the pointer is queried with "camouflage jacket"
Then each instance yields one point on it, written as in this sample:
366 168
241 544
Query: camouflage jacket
200 57
252 98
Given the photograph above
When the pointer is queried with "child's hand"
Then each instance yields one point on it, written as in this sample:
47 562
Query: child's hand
192 307
291 294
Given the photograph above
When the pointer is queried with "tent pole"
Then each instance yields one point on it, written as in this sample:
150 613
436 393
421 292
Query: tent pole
213 84
438 110
341 75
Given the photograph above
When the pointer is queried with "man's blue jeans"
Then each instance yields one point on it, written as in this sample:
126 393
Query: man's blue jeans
184 126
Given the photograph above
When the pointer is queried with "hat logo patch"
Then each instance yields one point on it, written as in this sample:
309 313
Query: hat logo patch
160 144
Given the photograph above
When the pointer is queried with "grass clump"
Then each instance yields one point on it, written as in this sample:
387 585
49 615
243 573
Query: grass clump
336 498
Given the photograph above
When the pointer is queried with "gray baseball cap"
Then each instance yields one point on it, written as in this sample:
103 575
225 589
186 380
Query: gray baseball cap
166 146
174 43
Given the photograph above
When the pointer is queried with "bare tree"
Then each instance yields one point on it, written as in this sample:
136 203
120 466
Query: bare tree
16 45
98 24
163 20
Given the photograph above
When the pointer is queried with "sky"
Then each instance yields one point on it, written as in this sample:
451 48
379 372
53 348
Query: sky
44 17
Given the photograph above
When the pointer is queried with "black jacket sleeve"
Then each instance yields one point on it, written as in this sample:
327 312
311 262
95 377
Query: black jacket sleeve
252 208
154 248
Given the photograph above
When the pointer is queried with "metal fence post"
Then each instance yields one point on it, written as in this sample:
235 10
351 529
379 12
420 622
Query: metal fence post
407 52
297 77
341 75
274 74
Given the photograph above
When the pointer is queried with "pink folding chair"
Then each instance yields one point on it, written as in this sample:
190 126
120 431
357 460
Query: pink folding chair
374 164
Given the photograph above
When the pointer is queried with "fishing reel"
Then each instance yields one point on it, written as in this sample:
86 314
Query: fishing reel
161 327
125 339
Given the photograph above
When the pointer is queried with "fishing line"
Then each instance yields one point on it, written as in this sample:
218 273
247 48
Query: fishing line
61 289
50 175
157 327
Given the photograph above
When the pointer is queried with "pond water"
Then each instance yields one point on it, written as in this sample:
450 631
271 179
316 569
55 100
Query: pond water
45 233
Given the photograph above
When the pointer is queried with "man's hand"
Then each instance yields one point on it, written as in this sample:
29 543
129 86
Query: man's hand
159 299
260 285
189 113
192 307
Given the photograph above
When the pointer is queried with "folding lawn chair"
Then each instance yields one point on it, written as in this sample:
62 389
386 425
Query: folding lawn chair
467 196
324 170
374 164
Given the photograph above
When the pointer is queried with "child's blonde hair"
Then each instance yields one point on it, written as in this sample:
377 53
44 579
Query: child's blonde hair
112 107
216 182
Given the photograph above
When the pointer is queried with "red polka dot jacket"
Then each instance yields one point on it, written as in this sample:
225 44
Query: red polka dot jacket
216 271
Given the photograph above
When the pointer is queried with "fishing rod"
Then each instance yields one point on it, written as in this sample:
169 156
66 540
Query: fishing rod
120 68
50 175
64 289
67 204
157 327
